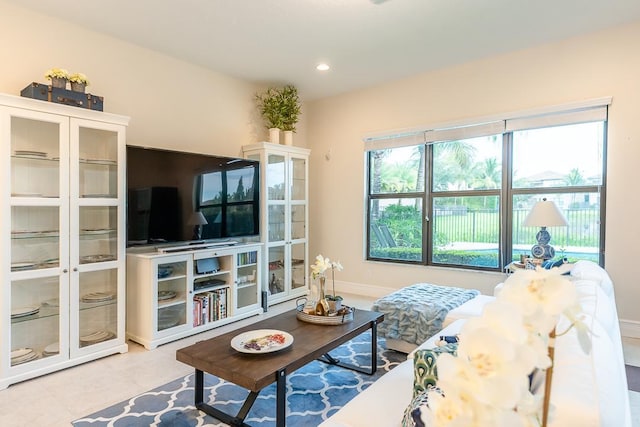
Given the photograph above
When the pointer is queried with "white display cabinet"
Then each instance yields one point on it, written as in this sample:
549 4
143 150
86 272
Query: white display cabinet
175 294
63 248
284 172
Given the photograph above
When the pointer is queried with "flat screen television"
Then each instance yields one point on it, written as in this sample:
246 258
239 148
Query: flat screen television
183 198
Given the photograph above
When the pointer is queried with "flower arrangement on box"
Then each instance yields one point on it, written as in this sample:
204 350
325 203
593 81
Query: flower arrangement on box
58 77
318 271
487 383
78 82
57 73
79 78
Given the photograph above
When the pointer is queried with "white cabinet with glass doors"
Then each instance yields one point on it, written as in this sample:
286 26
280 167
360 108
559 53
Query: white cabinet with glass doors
284 187
63 250
176 294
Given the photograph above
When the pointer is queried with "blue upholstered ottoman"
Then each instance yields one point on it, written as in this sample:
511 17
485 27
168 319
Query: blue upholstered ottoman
415 313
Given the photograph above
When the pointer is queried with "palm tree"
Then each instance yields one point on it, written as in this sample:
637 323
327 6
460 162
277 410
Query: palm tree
574 178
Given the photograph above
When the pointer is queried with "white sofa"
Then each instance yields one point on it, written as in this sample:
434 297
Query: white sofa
588 390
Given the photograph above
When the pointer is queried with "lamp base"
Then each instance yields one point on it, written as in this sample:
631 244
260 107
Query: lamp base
543 250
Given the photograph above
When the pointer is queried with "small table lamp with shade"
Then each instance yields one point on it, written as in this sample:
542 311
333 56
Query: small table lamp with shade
197 219
544 214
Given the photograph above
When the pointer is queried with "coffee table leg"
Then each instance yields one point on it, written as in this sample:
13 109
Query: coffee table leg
281 398
327 358
238 420
199 387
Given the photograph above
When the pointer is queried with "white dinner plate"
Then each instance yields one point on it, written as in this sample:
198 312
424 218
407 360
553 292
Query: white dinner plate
96 337
24 311
97 297
261 341
166 295
101 161
15 266
20 353
51 349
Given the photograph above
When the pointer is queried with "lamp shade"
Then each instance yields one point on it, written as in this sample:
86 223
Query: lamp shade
197 218
545 213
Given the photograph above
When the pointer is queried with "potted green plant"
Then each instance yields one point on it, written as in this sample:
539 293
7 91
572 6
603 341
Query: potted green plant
78 82
291 112
270 106
280 109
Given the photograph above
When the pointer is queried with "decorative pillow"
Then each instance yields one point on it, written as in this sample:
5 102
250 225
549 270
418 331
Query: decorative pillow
425 373
413 414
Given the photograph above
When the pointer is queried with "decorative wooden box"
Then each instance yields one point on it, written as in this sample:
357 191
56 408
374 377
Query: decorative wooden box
63 96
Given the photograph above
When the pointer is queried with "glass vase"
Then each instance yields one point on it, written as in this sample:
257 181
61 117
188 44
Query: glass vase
322 306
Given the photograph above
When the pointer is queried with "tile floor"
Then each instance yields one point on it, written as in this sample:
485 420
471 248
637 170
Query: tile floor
57 399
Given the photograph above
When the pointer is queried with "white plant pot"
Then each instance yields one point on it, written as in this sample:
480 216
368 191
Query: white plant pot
274 135
288 137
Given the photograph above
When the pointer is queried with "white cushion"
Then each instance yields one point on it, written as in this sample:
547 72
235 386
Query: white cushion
471 308
589 270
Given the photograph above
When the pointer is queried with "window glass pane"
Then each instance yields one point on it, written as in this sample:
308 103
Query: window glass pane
579 240
466 230
395 229
561 156
397 170
470 164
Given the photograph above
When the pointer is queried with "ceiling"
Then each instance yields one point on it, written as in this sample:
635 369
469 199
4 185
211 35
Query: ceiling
366 42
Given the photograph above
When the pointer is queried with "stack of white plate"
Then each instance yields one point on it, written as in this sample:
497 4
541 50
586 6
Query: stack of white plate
95 337
52 349
96 258
31 153
24 311
23 355
95 297
19 266
167 319
166 295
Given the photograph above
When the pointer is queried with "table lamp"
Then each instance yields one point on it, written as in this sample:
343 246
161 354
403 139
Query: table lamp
197 219
544 214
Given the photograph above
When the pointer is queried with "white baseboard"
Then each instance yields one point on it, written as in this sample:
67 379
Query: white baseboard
362 289
629 328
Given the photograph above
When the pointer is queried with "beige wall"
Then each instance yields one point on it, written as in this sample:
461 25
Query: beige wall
172 104
603 64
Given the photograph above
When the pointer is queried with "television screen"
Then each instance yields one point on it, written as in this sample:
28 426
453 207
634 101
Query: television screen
180 197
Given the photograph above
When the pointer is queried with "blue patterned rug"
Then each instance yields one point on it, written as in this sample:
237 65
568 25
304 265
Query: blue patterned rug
314 392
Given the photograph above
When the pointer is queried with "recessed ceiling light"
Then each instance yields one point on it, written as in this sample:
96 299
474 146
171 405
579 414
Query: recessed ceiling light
322 67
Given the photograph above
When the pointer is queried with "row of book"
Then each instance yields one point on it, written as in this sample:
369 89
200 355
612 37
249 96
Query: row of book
210 306
246 258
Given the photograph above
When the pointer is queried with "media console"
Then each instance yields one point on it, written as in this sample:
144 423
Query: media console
176 293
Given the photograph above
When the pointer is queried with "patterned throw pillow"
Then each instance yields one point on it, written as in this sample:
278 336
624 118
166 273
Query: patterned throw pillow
413 414
425 372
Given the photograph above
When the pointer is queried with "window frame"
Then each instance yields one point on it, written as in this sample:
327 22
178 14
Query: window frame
505 193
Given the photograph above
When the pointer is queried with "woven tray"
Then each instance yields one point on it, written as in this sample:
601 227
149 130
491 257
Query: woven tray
324 320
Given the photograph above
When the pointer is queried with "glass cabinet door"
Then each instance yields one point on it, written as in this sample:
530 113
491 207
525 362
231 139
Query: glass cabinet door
247 279
275 198
172 294
276 279
38 290
96 220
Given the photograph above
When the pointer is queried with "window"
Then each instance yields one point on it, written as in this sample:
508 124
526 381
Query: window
460 196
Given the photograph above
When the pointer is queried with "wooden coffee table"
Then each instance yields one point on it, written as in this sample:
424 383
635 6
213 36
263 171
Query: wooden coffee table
256 371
